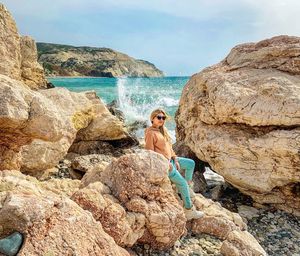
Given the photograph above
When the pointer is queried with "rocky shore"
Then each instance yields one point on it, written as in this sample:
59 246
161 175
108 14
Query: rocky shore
75 181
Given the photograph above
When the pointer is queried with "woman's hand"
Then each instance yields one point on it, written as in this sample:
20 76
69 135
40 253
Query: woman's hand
170 167
177 165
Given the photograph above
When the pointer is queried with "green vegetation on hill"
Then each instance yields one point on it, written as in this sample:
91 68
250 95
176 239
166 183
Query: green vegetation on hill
67 60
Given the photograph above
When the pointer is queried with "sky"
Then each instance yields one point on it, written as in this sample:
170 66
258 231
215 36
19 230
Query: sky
180 37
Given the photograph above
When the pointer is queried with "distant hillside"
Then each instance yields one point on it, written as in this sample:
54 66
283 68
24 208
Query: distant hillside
67 60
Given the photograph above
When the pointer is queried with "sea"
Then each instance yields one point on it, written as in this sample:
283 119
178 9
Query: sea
136 97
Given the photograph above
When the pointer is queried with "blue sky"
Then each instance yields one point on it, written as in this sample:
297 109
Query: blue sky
179 37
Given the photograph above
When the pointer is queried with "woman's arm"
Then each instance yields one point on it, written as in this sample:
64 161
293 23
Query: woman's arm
149 141
173 155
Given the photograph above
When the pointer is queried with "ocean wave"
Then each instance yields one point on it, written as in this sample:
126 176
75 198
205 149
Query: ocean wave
168 102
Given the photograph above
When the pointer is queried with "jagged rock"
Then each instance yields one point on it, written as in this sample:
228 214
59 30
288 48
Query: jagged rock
38 127
242 116
104 126
140 183
18 55
66 187
87 162
67 60
217 220
113 108
94 173
51 224
91 147
241 243
227 226
32 72
138 124
10 57
125 227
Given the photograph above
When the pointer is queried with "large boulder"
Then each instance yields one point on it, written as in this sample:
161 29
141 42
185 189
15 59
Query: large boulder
143 191
227 226
51 224
37 128
18 55
242 116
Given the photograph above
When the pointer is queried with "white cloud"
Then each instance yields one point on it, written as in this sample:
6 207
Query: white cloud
270 16
276 17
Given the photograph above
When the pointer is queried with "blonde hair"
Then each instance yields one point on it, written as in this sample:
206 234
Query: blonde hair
163 130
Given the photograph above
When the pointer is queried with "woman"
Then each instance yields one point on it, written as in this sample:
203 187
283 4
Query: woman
158 139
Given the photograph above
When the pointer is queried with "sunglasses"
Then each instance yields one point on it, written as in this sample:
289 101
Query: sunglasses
161 117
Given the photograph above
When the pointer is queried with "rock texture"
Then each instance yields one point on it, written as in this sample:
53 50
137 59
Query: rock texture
18 55
32 72
66 60
37 128
52 225
227 226
242 116
140 184
135 203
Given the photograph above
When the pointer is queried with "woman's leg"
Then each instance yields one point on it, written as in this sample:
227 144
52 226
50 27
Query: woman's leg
188 165
182 186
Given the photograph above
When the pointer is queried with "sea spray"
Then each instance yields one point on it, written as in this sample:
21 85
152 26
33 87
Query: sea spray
137 97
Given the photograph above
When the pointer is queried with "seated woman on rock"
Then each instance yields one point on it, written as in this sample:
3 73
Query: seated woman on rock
158 139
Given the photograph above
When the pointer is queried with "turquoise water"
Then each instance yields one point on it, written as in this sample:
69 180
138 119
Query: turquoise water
136 97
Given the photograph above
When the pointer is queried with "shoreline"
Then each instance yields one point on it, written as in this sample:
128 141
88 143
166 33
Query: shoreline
49 77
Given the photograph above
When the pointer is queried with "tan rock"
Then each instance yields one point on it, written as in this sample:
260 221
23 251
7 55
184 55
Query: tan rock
10 56
217 221
38 127
54 226
104 126
94 174
241 243
242 116
125 227
18 55
140 182
51 223
226 225
66 187
32 73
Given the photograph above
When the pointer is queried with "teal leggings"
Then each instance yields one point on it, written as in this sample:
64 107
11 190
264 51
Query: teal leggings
181 183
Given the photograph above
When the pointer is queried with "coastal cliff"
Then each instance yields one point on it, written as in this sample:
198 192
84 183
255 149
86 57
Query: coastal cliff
18 58
67 60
